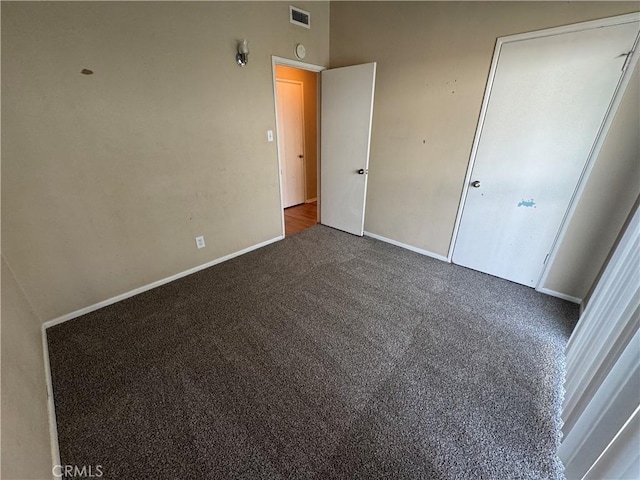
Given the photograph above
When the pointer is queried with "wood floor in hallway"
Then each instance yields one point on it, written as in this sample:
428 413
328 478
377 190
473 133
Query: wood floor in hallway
300 217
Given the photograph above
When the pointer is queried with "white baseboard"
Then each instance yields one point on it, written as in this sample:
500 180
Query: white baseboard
546 291
311 200
144 288
51 409
408 247
563 296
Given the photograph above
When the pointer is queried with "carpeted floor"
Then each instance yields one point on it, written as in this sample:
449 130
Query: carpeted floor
321 356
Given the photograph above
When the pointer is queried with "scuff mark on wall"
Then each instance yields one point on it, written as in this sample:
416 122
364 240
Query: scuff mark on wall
527 203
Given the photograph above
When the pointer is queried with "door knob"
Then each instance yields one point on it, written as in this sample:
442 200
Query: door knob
300 156
476 184
362 171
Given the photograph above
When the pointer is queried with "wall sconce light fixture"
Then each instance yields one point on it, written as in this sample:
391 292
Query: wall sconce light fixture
242 57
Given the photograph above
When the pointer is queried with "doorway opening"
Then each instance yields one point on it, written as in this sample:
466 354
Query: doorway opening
347 113
296 91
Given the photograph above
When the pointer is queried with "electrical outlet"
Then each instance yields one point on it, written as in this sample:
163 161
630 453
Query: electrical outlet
200 242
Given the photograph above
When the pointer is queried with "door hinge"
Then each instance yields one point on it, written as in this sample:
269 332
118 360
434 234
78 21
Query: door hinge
545 259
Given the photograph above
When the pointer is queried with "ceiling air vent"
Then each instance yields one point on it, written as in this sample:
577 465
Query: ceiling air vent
299 17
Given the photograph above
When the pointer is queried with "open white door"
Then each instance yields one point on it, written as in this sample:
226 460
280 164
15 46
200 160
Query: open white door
347 112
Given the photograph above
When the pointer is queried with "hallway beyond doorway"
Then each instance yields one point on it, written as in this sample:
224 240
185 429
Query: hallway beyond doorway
300 217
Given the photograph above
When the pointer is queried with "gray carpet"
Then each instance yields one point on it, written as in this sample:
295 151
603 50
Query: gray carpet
321 356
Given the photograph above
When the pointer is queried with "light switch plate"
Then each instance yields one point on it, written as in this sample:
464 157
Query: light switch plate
270 135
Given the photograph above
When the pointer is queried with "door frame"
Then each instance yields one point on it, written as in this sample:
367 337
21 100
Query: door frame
304 164
595 149
275 60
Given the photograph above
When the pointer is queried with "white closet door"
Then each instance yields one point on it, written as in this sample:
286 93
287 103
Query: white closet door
547 103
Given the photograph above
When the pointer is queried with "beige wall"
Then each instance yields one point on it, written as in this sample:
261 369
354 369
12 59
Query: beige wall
310 90
26 451
433 62
610 194
108 178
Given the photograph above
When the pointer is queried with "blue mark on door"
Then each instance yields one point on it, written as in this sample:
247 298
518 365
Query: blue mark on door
527 203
